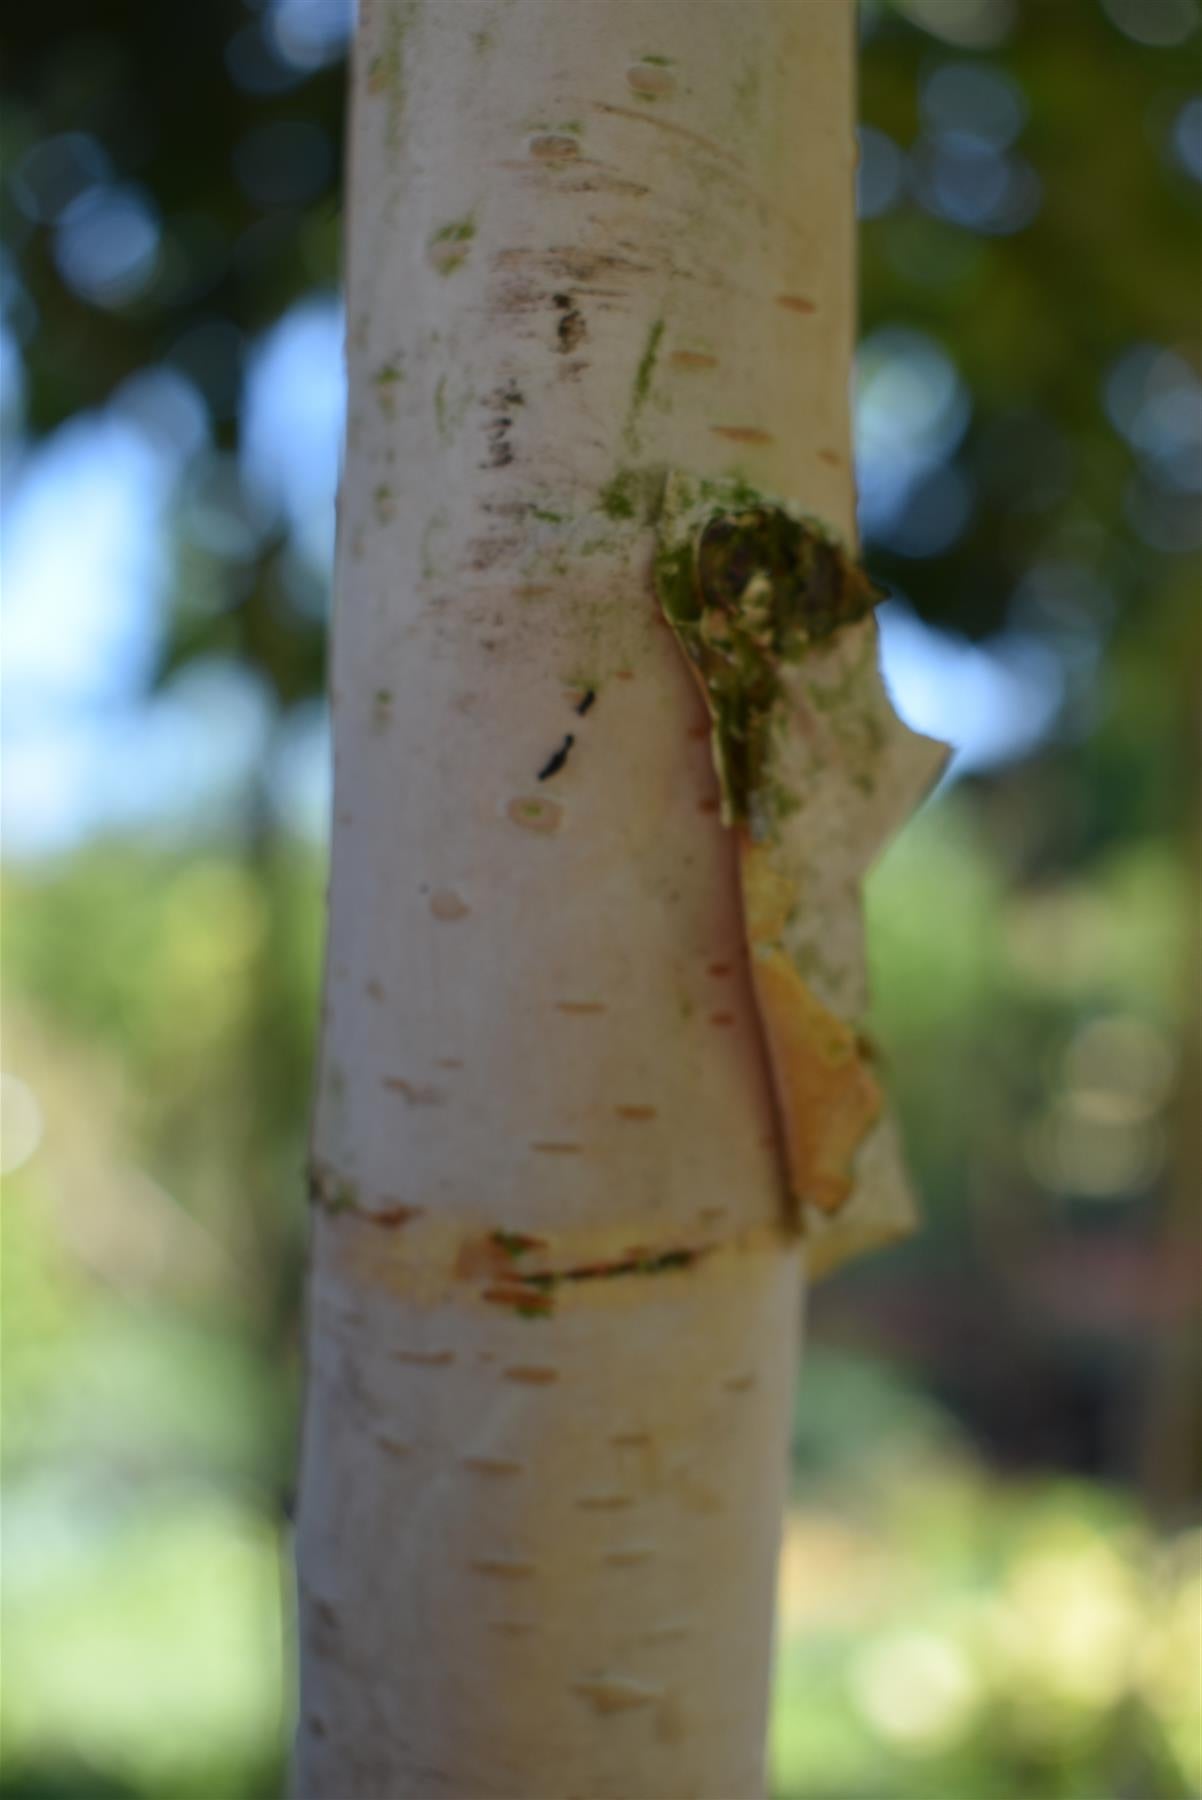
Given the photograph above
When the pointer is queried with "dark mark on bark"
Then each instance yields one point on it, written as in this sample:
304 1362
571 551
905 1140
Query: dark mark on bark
334 1194
587 702
331 1192
579 267
508 509
555 763
516 1243
499 452
531 1294
389 1217
487 550
500 404
571 328
526 1303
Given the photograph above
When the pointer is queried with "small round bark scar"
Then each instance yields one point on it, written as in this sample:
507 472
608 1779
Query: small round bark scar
447 906
650 80
553 147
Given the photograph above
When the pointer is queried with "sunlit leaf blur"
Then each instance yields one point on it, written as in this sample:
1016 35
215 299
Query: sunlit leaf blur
992 1577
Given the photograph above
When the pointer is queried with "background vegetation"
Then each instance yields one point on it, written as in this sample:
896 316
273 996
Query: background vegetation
992 1583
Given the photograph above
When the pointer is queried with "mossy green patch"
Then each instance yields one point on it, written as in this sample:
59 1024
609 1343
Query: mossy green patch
459 231
386 380
633 494
386 69
513 1243
748 589
617 501
448 246
390 373
646 368
643 375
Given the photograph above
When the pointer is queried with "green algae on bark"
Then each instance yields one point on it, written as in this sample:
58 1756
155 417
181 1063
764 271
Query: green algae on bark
749 586
642 379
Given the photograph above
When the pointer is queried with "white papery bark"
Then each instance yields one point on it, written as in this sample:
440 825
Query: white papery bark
589 240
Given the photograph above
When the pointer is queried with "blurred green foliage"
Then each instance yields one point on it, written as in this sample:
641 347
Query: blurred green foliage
991 1586
960 1614
946 1635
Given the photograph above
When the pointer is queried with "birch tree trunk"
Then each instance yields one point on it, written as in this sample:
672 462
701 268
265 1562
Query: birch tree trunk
555 1295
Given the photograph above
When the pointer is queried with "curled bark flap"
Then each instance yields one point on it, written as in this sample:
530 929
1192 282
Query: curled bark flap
816 770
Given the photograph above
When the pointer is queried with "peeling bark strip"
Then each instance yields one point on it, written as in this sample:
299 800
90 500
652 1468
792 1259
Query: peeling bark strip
773 617
543 1471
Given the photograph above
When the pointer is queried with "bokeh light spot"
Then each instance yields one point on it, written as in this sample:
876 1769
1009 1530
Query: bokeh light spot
106 244
971 24
1186 137
974 101
1161 23
880 175
21 1123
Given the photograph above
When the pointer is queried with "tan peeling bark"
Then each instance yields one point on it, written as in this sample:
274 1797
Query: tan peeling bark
772 615
555 1290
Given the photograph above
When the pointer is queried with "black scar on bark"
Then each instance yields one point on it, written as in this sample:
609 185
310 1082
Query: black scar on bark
555 763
